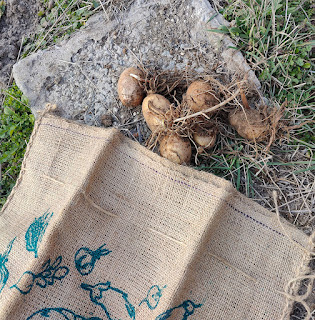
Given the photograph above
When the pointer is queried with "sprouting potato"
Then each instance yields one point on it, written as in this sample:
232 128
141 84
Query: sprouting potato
204 138
200 96
130 90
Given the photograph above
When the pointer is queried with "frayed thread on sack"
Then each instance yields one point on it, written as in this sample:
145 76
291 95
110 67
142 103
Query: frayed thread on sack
304 273
49 108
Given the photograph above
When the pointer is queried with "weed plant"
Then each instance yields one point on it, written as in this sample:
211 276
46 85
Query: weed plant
277 39
16 124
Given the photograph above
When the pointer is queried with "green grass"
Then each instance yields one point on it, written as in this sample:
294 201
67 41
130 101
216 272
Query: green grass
16 119
2 7
16 124
58 22
277 39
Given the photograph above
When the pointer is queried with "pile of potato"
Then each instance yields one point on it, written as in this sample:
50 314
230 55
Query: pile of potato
158 112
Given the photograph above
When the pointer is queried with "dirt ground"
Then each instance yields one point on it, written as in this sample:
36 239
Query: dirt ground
19 20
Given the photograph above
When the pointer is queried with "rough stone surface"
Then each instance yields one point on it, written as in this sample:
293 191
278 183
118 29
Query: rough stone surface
81 74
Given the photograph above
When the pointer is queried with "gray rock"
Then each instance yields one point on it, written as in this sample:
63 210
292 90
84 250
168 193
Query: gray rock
80 75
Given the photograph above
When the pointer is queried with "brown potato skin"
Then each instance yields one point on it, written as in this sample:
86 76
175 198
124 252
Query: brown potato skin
200 96
205 138
176 149
154 107
248 123
130 91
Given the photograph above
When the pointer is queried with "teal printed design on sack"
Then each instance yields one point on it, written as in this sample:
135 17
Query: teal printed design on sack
47 277
186 309
153 297
98 296
4 273
86 258
35 232
57 314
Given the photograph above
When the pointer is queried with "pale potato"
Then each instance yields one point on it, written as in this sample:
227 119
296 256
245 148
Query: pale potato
154 108
204 138
130 90
175 148
248 123
200 96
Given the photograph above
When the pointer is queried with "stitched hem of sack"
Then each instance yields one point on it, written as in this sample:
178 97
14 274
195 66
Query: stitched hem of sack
292 289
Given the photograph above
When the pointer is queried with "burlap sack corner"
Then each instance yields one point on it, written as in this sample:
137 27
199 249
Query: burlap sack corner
98 227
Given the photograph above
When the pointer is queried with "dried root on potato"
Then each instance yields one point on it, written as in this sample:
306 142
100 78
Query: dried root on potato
204 138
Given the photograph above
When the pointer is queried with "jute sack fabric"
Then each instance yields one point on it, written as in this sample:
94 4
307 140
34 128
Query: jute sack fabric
98 227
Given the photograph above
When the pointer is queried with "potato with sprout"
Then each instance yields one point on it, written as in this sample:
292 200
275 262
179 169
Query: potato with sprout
130 89
204 138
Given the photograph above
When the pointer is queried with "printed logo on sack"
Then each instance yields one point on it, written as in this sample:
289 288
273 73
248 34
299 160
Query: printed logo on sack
109 299
47 277
86 258
4 273
153 297
36 231
57 314
182 311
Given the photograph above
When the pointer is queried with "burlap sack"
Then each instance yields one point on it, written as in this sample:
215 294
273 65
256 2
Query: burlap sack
98 227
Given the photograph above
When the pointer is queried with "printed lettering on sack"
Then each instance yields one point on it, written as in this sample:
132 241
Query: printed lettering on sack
102 294
4 272
47 277
181 312
86 258
57 314
153 297
36 231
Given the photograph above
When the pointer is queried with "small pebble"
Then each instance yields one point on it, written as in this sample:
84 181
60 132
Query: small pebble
106 120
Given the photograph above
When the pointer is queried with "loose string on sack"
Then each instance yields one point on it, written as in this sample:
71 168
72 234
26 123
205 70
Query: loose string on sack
304 272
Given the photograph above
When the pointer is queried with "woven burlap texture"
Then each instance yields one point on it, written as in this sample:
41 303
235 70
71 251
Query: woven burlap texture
98 227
